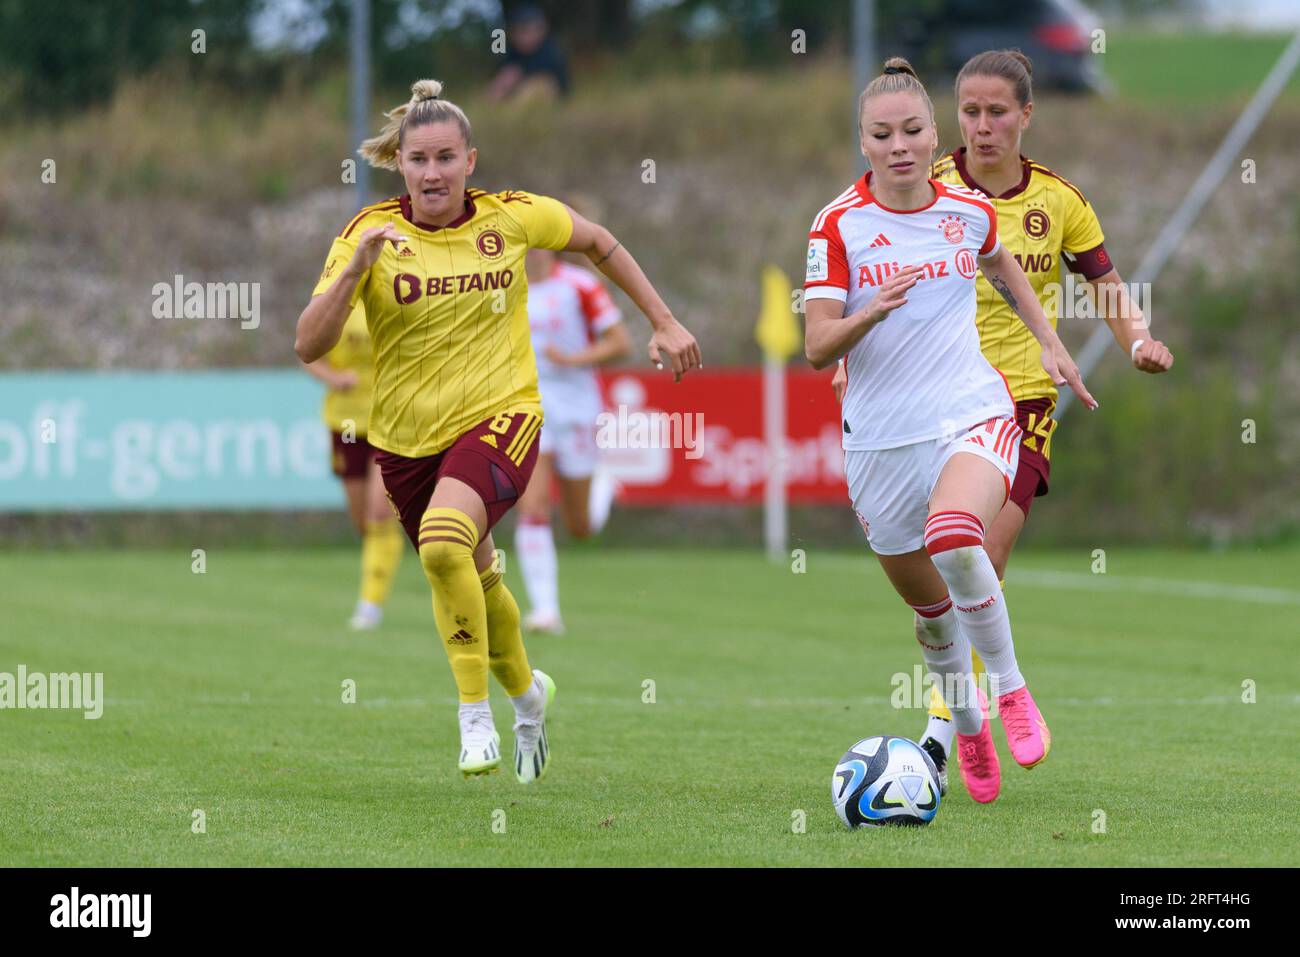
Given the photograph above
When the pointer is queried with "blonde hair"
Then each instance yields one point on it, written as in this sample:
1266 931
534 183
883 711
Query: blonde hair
899 77
423 108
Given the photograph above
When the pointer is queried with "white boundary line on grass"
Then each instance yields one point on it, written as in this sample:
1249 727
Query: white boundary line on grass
1182 588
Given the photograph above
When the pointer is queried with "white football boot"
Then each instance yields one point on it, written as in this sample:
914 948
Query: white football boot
544 622
480 745
532 750
367 616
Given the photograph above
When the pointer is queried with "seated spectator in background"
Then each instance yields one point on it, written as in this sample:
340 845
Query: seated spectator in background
534 67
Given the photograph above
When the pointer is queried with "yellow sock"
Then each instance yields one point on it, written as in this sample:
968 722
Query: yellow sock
938 707
447 540
381 553
506 654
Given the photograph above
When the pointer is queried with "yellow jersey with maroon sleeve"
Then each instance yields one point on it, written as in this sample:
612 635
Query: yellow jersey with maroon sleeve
1042 220
448 315
352 354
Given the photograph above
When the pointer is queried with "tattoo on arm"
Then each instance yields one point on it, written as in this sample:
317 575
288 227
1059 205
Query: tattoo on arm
998 283
611 252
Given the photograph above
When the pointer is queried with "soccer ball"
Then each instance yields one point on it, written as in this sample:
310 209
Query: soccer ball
885 780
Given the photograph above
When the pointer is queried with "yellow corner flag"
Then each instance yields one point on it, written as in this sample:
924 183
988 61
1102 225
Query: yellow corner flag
778 330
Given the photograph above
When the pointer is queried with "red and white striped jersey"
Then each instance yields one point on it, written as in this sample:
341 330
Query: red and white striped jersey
919 374
568 310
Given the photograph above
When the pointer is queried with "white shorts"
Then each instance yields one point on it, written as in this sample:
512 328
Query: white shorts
890 488
573 444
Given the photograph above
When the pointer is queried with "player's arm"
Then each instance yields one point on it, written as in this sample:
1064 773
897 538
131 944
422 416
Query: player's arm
608 255
321 324
829 333
612 344
338 379
1005 275
1127 324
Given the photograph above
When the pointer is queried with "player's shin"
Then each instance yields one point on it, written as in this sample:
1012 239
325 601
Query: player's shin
535 546
947 656
447 540
381 553
506 654
955 542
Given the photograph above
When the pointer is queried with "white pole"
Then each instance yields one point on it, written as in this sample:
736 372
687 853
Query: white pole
774 497
359 44
1174 230
864 62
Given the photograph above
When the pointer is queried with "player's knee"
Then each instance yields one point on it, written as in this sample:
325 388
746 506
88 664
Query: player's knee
954 540
440 555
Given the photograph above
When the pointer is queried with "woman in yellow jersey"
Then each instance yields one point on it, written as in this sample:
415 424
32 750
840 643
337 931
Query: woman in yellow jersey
1043 219
348 375
456 410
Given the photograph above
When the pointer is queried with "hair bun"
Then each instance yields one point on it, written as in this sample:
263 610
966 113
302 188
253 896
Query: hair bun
896 64
422 90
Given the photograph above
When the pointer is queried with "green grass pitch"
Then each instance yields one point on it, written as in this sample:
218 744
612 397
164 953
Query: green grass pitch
224 694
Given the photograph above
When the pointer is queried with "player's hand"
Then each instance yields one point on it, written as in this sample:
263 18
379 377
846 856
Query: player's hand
840 382
344 380
556 356
1153 356
371 244
892 293
1056 360
683 352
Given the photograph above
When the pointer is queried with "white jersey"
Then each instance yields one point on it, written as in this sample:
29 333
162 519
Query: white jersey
919 374
568 310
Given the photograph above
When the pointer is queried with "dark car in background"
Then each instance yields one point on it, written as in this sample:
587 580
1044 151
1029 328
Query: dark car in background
938 37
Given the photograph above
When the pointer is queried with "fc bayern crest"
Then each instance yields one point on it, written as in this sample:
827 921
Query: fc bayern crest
954 228
490 244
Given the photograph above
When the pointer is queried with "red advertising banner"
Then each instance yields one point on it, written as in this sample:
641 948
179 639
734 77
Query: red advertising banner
701 440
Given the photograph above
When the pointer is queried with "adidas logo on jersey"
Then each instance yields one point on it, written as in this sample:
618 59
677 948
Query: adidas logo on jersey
881 240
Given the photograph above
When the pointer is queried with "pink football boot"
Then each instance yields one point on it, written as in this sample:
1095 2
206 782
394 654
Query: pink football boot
1027 733
978 759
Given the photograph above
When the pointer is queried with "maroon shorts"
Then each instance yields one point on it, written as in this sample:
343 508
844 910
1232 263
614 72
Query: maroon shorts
495 458
1034 416
351 459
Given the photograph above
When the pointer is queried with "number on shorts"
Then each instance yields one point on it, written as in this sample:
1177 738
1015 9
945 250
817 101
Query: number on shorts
501 424
1041 427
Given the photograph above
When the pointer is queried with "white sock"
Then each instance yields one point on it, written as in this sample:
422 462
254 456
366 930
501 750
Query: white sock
600 499
955 541
942 730
538 564
947 654
529 704
475 708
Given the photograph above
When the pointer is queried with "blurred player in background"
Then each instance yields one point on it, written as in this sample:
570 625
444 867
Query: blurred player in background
535 67
348 375
1043 219
575 327
930 437
456 411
